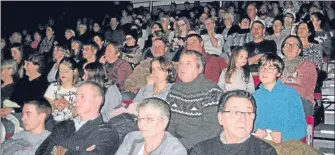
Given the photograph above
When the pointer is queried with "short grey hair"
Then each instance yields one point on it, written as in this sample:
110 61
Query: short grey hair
98 89
157 103
200 58
11 64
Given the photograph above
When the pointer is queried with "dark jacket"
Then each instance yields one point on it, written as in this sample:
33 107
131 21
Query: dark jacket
93 132
124 124
116 35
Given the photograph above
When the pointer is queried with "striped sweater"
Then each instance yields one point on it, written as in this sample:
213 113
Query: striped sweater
194 110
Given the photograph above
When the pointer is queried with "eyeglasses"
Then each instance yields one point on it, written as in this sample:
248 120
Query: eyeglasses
130 38
294 45
267 69
148 119
237 114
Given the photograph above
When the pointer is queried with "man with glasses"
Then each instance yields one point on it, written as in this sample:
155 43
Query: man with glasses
153 118
87 133
236 114
280 113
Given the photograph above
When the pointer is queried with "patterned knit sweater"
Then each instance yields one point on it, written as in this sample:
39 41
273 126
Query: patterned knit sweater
194 110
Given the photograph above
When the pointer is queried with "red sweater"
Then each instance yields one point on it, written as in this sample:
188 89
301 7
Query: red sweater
214 67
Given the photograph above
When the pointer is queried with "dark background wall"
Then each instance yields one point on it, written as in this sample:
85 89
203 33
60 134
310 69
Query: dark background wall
17 15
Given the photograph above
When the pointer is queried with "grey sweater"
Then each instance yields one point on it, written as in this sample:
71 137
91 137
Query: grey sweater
194 108
16 146
148 91
134 141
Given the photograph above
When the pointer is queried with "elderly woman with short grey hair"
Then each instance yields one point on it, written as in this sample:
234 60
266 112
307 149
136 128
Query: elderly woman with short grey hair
9 75
153 118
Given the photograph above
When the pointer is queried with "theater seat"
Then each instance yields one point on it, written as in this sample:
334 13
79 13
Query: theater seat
127 102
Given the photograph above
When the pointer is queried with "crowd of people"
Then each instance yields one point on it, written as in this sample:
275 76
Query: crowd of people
239 78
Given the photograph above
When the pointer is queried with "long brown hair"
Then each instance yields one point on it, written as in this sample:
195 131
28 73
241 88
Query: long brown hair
232 65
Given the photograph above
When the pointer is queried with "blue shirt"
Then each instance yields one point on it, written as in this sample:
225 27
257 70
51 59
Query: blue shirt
280 110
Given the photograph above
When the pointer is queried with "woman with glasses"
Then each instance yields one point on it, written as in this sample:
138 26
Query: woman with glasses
131 50
153 118
298 73
59 53
61 94
287 121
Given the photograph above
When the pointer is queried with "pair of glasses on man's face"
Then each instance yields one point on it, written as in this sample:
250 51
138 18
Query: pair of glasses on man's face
293 45
237 114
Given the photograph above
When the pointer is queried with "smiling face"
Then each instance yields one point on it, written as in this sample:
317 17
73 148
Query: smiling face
158 48
257 31
268 73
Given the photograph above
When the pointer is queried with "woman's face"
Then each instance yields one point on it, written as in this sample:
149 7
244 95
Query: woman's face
158 72
37 36
66 74
182 25
277 26
96 27
315 21
49 31
58 54
291 48
75 45
130 41
242 58
206 9
98 40
228 22
6 73
16 54
303 30
155 28
124 13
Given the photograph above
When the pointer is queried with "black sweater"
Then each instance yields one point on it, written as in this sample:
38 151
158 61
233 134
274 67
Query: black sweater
252 146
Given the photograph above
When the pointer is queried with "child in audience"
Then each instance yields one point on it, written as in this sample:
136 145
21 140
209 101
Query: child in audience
237 75
61 94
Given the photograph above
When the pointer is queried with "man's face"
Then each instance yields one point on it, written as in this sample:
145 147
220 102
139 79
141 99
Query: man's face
257 31
288 21
31 118
111 54
192 43
268 73
114 23
150 122
158 48
251 10
188 69
86 100
30 67
277 26
237 124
